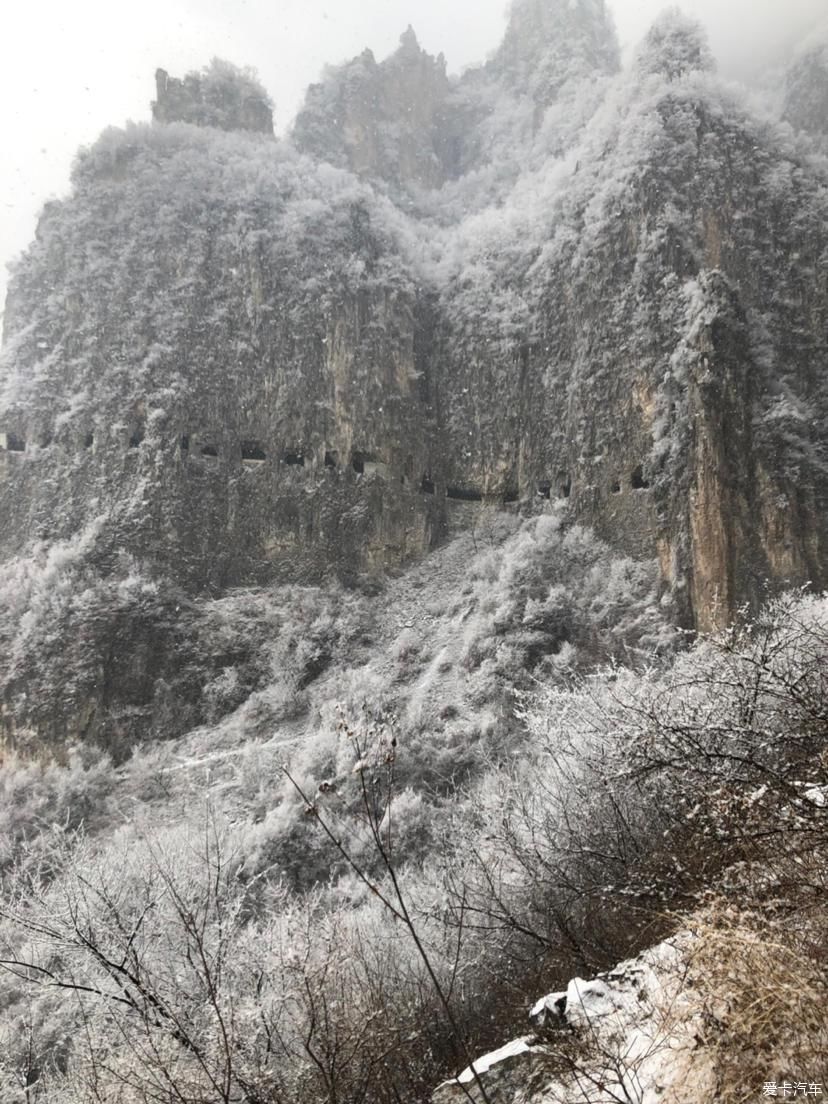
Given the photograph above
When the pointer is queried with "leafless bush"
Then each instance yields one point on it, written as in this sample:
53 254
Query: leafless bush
154 982
155 967
642 789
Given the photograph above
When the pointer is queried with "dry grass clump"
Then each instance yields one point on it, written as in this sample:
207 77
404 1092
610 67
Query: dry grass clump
762 989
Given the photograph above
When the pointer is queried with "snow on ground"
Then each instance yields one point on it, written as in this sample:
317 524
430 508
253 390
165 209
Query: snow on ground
484 1064
628 1035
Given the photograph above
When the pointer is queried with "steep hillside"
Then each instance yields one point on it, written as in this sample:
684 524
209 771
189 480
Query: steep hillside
209 333
414 531
200 918
640 319
115 657
806 87
267 369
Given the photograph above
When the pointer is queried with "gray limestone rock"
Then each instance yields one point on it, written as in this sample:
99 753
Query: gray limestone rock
239 364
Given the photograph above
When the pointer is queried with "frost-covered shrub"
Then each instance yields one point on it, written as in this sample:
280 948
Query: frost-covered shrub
632 792
40 802
637 790
87 658
100 648
174 981
544 600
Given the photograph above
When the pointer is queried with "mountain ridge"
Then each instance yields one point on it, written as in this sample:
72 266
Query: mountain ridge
272 368
396 618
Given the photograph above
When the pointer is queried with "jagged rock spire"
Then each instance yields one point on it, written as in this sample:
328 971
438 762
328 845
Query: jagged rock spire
220 95
547 42
408 40
379 118
806 87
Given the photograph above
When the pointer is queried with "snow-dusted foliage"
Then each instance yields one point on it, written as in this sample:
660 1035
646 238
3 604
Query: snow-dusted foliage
211 210
646 786
118 656
548 45
673 46
109 652
293 842
187 967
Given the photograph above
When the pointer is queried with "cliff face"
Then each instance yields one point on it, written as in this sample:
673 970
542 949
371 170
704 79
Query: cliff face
546 45
247 403
668 322
382 121
221 96
242 363
806 89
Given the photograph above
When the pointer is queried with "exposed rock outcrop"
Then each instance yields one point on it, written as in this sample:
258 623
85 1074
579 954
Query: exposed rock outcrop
242 363
548 44
631 1034
806 89
386 120
220 96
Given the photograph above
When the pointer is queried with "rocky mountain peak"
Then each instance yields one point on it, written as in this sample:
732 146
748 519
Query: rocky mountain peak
409 43
806 88
220 95
379 119
547 42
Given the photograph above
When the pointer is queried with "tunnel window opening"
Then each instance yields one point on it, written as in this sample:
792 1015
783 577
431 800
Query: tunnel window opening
545 490
331 459
294 458
360 459
15 443
184 443
209 452
464 494
136 439
638 481
427 485
252 453
615 488
89 440
565 487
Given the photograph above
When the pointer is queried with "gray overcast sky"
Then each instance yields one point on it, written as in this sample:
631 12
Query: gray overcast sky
67 70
